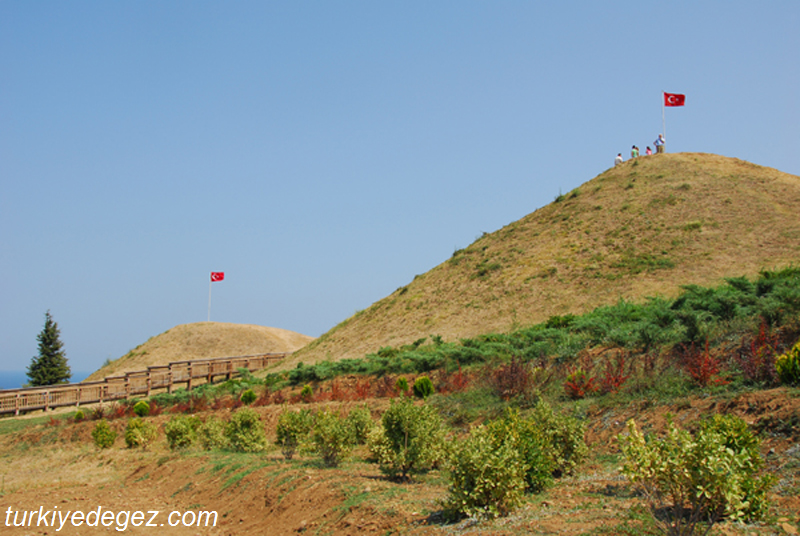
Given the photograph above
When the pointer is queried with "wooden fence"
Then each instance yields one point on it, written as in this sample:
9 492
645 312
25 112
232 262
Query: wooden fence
141 383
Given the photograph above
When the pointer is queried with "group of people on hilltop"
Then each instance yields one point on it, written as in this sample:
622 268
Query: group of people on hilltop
659 145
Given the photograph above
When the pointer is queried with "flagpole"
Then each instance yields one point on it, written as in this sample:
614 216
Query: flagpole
663 117
209 299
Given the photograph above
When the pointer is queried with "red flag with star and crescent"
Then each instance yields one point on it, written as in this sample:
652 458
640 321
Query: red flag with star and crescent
217 276
674 99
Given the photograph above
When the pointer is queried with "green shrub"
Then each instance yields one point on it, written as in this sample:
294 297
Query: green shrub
248 397
211 434
360 422
562 438
528 438
486 477
181 431
141 409
139 433
734 434
401 385
332 437
306 393
704 478
293 430
788 366
423 387
103 435
245 431
79 415
411 438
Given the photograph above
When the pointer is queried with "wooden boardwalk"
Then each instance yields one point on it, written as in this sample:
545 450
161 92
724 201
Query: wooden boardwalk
141 383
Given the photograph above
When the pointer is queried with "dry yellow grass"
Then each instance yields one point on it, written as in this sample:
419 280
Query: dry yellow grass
640 229
204 340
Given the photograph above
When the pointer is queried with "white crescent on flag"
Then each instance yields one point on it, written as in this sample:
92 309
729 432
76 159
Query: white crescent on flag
674 99
217 276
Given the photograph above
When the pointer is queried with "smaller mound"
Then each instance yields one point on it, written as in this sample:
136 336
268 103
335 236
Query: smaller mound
203 340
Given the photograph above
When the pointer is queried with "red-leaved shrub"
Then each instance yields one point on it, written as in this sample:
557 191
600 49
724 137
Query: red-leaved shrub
155 409
512 379
362 389
338 392
181 407
702 366
118 411
263 399
579 384
452 382
278 397
757 359
614 375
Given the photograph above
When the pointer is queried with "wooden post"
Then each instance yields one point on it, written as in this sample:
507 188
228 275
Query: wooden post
229 375
46 401
16 404
189 383
127 386
169 385
78 399
149 382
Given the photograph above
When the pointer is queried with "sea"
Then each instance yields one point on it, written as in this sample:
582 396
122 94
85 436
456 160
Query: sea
14 379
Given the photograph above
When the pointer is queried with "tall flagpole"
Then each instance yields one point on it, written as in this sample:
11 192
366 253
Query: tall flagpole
663 117
209 299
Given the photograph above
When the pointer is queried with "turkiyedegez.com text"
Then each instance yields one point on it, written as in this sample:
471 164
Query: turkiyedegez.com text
100 517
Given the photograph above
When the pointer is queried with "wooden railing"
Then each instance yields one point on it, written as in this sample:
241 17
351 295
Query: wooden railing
141 383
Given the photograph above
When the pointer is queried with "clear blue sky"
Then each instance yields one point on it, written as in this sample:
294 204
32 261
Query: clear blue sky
322 154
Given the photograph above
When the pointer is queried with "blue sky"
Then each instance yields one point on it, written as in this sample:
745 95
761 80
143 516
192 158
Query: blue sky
322 154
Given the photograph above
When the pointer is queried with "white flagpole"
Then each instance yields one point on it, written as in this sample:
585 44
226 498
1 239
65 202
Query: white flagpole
663 118
209 298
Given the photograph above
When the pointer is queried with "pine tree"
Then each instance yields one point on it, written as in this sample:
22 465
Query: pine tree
50 367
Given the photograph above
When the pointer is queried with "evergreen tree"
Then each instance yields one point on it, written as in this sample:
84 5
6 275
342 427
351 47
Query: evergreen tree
50 366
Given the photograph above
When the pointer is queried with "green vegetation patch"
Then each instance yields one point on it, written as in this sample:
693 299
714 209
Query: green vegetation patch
636 263
658 323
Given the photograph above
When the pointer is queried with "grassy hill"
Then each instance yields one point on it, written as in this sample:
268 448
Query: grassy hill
640 229
204 340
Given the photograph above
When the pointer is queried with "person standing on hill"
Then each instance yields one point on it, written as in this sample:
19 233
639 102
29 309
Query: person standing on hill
659 143
618 159
649 151
634 151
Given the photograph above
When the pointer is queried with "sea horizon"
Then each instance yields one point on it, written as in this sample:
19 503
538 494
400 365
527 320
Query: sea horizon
15 379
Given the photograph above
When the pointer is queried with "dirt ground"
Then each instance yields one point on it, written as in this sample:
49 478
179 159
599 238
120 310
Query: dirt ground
57 468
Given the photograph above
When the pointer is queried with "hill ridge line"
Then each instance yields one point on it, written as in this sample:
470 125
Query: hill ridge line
643 228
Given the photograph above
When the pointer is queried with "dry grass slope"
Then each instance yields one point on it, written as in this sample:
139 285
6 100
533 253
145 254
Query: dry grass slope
640 229
204 340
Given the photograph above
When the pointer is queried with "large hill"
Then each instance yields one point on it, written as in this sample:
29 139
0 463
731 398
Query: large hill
643 228
204 340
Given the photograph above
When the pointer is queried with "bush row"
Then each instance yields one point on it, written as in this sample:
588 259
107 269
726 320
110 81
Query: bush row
698 314
687 479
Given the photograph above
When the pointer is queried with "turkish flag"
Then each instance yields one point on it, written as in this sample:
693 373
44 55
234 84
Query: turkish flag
217 276
674 99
